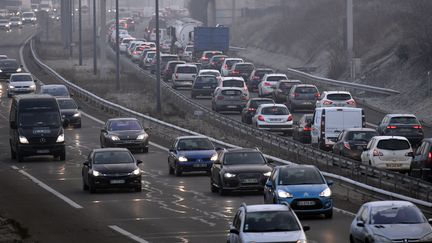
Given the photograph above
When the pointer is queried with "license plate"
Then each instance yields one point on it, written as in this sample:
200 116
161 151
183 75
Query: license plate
128 141
232 106
396 165
275 119
117 181
206 87
199 165
42 151
307 103
252 180
405 130
306 203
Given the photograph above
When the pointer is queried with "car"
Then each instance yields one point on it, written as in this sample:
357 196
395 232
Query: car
2 57
266 223
169 69
137 51
184 75
250 109
191 153
282 89
4 25
15 22
212 72
302 129
406 125
131 46
388 152
28 18
256 77
303 187
241 69
227 64
390 221
269 82
336 99
124 44
421 165
302 97
216 62
70 110
274 118
111 168
8 67
237 82
229 99
147 60
20 83
203 85
56 90
239 169
164 59
124 132
352 142
122 34
206 55
188 52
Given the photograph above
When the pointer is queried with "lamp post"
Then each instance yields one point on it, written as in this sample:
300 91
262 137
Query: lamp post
94 39
158 82
80 33
117 46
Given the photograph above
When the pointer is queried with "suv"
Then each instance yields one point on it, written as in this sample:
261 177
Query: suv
184 75
256 77
169 69
352 141
249 111
227 65
405 125
266 223
239 169
229 99
20 83
56 90
303 96
8 67
336 99
242 69
282 89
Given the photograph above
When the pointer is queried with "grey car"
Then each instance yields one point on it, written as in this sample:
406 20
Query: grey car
406 125
302 97
229 99
390 221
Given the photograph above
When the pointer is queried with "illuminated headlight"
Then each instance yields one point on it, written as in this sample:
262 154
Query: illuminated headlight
214 157
23 139
114 138
95 173
182 159
18 70
326 193
1 71
7 25
284 194
267 174
11 87
32 86
78 114
229 175
136 172
60 138
10 23
142 136
19 22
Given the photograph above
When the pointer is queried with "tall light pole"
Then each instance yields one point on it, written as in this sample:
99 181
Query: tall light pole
350 35
117 47
80 33
158 81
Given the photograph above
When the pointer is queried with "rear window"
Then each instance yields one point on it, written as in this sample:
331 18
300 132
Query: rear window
244 67
231 92
187 70
211 73
218 59
339 96
20 78
206 80
393 144
126 41
229 63
276 78
255 104
210 54
233 83
404 120
169 58
261 73
275 110
286 85
361 136
306 90
173 64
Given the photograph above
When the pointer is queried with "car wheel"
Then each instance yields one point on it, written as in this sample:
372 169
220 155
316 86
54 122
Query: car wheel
145 149
213 188
85 186
138 188
20 157
351 239
13 154
329 215
170 169
222 191
62 156
177 170
92 188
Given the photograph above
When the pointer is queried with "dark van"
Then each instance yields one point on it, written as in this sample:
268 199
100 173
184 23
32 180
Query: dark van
36 127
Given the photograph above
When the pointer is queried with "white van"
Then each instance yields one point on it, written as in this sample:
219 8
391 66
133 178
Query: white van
328 122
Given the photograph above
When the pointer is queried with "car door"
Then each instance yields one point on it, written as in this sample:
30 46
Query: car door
338 147
86 168
236 224
270 190
358 232
172 156
104 134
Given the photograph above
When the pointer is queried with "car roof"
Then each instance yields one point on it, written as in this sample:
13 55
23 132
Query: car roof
292 165
338 108
233 58
33 96
176 61
185 65
53 86
360 129
337 92
189 137
390 137
16 74
8 60
234 150
232 78
64 98
256 99
398 115
263 69
267 208
289 81
274 74
243 63
209 70
109 149
389 203
123 119
304 85
272 105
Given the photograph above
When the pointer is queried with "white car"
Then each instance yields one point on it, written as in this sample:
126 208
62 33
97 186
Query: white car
388 152
212 72
125 43
122 34
150 55
266 223
336 99
188 52
273 117
269 82
184 75
237 82
20 83
227 65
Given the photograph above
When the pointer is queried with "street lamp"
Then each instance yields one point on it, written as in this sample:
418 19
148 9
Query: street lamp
158 82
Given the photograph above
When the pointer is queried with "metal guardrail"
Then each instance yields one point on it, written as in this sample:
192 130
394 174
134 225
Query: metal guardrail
281 143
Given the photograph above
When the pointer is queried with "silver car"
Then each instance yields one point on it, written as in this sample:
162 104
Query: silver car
229 99
390 221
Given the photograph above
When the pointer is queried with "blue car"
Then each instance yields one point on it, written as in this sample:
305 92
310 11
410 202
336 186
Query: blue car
303 187
191 153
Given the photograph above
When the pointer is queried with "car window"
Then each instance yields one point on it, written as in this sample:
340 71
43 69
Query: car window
234 158
67 104
396 215
276 78
299 176
261 73
404 120
305 90
113 157
124 125
195 144
206 80
393 144
229 63
275 110
361 135
244 67
237 220
256 103
187 70
338 96
20 78
270 221
8 64
39 119
233 83
231 92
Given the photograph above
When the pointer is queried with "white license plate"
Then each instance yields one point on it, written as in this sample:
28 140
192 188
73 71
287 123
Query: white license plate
206 87
396 165
306 203
307 103
250 180
232 106
117 181
199 165
42 151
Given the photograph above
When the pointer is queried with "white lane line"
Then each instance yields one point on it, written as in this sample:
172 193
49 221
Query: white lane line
371 125
127 234
159 146
344 212
49 189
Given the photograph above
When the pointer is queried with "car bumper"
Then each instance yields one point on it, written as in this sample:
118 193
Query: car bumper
392 165
49 149
74 120
20 91
195 166
322 205
206 92
116 181
128 144
306 105
182 83
275 127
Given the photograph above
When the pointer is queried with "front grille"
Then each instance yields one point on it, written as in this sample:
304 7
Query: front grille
42 140
196 159
295 204
116 174
250 178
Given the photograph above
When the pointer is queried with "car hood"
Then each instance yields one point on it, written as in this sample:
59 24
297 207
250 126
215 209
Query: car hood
41 131
288 236
68 111
196 154
401 231
114 168
130 134
247 168
22 83
304 191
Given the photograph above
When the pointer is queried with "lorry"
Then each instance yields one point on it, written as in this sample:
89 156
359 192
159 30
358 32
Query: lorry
210 39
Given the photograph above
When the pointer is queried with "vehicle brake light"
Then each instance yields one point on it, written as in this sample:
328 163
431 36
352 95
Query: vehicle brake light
267 84
307 129
391 127
235 72
351 102
204 58
225 66
376 152
220 97
176 76
251 109
260 118
346 145
134 53
430 156
213 63
328 102
296 94
417 127
290 117
317 94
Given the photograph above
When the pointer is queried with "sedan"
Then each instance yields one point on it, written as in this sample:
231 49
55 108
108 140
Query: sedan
8 67
352 142
390 221
124 132
69 110
111 168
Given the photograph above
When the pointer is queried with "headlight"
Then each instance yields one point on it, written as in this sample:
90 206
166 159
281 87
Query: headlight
1 71
214 157
11 87
284 194
229 175
326 193
33 86
302 241
78 114
18 70
267 174
182 159
136 172
95 173
19 22
60 138
114 138
381 239
23 139
142 136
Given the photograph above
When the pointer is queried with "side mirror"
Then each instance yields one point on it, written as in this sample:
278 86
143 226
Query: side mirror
329 182
234 231
295 123
86 163
306 227
139 162
360 223
103 130
172 151
21 66
147 129
13 125
410 154
65 123
270 161
269 183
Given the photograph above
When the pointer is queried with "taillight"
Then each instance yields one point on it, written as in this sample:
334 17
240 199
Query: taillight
204 58
267 84
260 118
134 53
346 145
417 127
295 94
351 102
235 72
376 152
307 129
391 127
176 76
317 94
213 63
290 117
225 66
251 109
328 102
430 156
220 97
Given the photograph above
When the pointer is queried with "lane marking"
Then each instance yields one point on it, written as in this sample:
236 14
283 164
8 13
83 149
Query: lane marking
49 189
371 125
127 234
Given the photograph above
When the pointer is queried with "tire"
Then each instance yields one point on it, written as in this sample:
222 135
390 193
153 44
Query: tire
13 154
213 188
170 170
62 156
177 171
329 215
222 191
138 189
145 149
92 188
351 239
85 186
20 157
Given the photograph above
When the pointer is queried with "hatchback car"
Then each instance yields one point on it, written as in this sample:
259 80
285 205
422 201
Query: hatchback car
28 17
269 82
203 85
184 75
56 90
227 65
282 89
242 69
206 55
421 165
229 99
390 221
256 77
125 43
169 69
274 118
303 187
266 223
124 132
388 152
147 60
20 83
239 169
191 153
70 110
302 129
336 99
405 125
303 97
250 109
216 62
352 142
111 168
8 67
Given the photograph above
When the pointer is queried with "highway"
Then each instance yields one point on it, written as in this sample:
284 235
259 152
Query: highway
46 196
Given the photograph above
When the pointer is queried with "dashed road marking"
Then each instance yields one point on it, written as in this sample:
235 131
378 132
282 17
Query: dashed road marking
127 234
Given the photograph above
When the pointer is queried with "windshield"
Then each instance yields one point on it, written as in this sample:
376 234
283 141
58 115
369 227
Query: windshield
299 176
216 74
187 70
39 119
270 221
57 91
339 96
124 125
15 19
8 64
396 215
235 158
67 104
195 144
393 144
233 83
113 157
276 78
404 120
275 110
28 15
21 78
361 136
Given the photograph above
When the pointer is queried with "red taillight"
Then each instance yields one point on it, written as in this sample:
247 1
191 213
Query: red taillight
346 145
327 102
251 109
261 118
267 84
317 94
213 63
204 58
351 102
391 127
307 129
376 152
295 94
235 72
417 127
225 66
220 97
176 76
134 53
290 117
430 156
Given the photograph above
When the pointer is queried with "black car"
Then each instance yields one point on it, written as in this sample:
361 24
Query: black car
56 90
302 129
249 111
69 110
169 69
256 77
421 165
352 142
282 90
216 62
204 85
239 169
111 168
405 125
8 67
126 133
